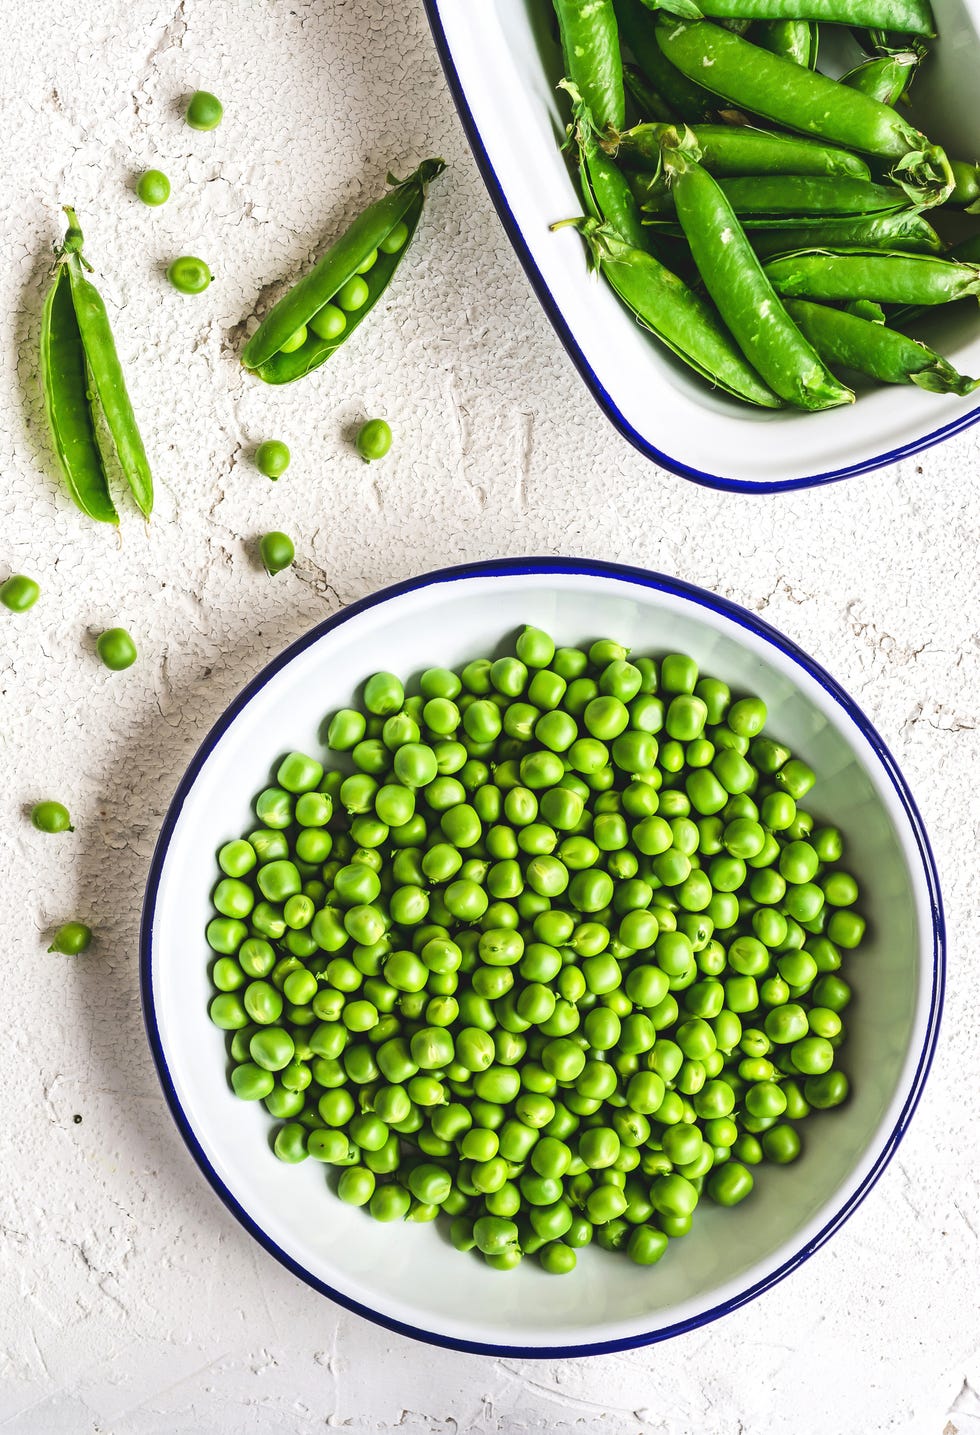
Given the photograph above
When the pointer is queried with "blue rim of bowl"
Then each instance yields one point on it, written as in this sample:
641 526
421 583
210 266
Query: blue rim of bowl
591 379
658 582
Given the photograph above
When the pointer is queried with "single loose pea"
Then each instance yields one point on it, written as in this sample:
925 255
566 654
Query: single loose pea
189 275
204 111
71 939
51 817
277 552
153 187
373 440
18 593
272 458
116 649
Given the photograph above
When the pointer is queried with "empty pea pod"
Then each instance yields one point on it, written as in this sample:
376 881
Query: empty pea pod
742 290
81 377
743 150
865 274
335 285
912 16
868 347
885 77
590 44
677 316
785 196
811 103
796 40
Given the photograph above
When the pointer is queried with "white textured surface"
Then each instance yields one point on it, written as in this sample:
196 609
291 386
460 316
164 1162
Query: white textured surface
130 1301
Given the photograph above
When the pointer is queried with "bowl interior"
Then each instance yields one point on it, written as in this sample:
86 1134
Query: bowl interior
412 1274
508 48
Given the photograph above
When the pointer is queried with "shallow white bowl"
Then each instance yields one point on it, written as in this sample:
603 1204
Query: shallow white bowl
502 65
409 1277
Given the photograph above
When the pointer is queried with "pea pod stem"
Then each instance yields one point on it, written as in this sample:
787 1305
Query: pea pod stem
590 44
912 16
402 204
741 289
82 378
678 317
808 102
868 347
743 150
887 278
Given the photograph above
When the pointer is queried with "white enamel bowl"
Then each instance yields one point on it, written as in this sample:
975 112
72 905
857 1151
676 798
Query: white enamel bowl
502 64
410 1278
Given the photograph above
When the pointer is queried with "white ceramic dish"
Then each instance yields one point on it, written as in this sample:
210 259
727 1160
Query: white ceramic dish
502 65
410 1278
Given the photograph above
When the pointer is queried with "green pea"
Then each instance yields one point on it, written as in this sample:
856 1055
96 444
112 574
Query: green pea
204 111
352 295
272 458
395 239
116 649
276 551
373 437
18 593
188 274
328 323
251 1082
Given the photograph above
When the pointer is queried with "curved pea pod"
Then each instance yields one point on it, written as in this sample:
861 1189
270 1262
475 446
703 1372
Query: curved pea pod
866 274
590 44
678 317
886 77
913 16
605 190
870 348
741 150
65 381
906 231
684 96
796 40
787 196
811 103
741 289
108 384
401 205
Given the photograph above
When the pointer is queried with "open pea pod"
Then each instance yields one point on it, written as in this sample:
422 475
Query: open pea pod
868 347
270 352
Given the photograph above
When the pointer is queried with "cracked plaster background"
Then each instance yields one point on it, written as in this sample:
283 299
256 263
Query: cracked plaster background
132 1302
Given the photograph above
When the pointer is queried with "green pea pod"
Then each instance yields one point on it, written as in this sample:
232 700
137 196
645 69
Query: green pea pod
966 189
107 380
803 100
796 40
651 105
870 348
885 77
866 274
743 150
401 205
685 97
590 43
741 289
605 190
905 231
65 381
967 251
678 317
785 195
913 16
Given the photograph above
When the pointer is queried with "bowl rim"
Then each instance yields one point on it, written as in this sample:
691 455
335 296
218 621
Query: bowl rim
595 569
593 383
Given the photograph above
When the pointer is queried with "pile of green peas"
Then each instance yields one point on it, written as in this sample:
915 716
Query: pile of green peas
554 950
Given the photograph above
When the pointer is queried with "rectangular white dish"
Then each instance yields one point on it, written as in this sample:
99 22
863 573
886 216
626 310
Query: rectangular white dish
502 64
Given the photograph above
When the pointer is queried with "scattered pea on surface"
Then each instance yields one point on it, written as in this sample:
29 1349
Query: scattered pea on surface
272 458
557 951
204 111
189 275
51 817
277 552
153 187
18 593
71 939
116 649
373 439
